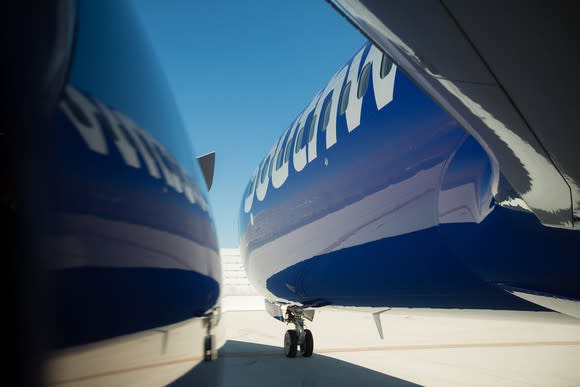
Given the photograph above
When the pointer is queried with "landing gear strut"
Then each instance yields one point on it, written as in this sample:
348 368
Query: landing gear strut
299 337
210 321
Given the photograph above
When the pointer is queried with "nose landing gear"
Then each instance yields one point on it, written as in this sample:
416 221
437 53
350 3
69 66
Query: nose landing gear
299 337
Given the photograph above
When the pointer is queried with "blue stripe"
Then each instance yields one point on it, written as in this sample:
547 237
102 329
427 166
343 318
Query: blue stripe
415 270
92 304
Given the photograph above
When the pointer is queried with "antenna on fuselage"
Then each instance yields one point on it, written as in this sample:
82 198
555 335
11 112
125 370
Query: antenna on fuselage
377 318
207 165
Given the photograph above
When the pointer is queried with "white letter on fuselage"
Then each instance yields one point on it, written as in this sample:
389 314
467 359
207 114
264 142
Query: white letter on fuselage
171 179
262 186
279 175
133 130
250 198
300 159
125 148
382 87
91 133
334 87
354 107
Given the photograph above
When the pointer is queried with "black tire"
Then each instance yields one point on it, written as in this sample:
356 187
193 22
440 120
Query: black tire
207 348
308 347
290 343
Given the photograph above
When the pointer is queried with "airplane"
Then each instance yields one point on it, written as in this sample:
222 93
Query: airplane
377 197
109 236
474 60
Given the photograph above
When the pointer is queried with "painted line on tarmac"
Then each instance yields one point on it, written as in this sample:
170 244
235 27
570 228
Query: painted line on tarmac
411 347
192 359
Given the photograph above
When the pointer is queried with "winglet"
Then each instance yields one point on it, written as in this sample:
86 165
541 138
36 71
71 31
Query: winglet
207 164
377 318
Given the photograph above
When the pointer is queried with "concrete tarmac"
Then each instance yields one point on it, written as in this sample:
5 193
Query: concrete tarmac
420 348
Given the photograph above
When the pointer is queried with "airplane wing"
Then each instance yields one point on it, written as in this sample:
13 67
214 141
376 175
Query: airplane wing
507 72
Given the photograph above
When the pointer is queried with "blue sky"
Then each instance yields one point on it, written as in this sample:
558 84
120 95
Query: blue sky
240 72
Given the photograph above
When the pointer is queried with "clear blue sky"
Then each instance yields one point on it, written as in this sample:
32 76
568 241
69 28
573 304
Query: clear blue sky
240 72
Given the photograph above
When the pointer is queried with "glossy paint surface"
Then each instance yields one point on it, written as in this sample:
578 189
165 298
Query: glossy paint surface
406 209
129 243
524 116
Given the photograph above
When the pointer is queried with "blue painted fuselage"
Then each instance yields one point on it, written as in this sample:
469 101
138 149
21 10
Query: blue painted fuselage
127 236
389 202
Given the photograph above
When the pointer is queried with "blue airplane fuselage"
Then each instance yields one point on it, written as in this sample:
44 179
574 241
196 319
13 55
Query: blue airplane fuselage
376 197
127 237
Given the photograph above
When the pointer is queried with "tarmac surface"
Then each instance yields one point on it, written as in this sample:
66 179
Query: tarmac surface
420 348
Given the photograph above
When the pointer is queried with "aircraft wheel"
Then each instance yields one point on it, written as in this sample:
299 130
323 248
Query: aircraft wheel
290 343
209 348
308 347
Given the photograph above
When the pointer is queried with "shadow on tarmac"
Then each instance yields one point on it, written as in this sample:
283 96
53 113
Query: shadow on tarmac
248 364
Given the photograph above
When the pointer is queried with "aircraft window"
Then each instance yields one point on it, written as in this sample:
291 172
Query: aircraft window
364 80
76 111
252 185
255 183
106 125
287 152
169 161
299 136
280 158
326 114
344 98
312 126
145 143
270 167
249 187
264 171
386 66
128 136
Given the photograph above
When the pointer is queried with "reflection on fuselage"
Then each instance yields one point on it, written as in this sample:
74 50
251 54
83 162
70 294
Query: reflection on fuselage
129 249
93 118
381 216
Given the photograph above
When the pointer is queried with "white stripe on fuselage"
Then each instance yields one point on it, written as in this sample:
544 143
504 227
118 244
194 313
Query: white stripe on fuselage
405 207
91 241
